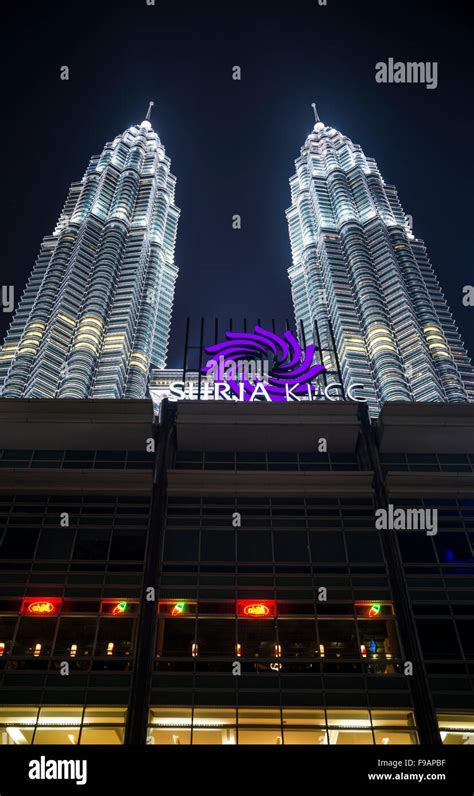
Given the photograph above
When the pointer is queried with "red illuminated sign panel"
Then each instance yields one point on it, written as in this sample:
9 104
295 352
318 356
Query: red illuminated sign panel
256 609
41 606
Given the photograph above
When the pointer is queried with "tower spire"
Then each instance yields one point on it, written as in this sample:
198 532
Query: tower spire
147 117
316 114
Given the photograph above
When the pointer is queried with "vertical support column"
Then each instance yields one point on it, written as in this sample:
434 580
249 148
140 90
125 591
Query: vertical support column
165 436
423 704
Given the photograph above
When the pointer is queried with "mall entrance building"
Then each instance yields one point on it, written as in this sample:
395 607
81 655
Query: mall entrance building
216 574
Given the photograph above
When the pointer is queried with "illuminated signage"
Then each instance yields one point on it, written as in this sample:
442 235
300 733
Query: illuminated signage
117 607
257 366
44 606
120 608
177 608
375 609
253 609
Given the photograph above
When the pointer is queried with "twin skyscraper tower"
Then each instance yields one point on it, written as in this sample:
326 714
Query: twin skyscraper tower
95 315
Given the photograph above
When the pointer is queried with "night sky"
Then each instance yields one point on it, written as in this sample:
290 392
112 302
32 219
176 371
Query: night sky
233 144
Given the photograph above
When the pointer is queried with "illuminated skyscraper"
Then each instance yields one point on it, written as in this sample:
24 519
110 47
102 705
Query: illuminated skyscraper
358 266
95 314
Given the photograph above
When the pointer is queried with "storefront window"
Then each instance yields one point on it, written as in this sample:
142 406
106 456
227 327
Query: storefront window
62 725
170 726
388 737
115 637
377 638
104 725
267 726
59 725
75 637
7 629
175 636
34 636
299 737
214 726
297 637
216 637
255 727
256 638
17 725
338 638
456 728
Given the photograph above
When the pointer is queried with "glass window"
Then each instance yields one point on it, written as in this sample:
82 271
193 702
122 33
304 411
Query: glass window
7 629
254 546
327 547
55 544
357 737
416 547
75 636
387 737
466 634
181 545
261 737
169 736
456 728
79 456
17 724
291 546
299 716
175 636
259 716
301 737
349 727
214 726
337 638
378 637
58 725
19 543
50 456
297 637
363 546
115 637
216 637
110 456
438 638
452 547
92 544
169 726
393 718
256 638
218 546
104 725
128 544
35 636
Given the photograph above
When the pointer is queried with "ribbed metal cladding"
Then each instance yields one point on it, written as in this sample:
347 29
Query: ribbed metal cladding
357 264
96 312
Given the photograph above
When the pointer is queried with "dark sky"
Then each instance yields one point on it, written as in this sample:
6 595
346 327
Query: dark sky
233 144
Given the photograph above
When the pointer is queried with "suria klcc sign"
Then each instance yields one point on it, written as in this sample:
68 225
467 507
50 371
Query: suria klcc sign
257 366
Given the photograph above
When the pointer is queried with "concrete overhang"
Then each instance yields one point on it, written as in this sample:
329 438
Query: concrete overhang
267 426
426 428
430 485
279 484
73 482
89 424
